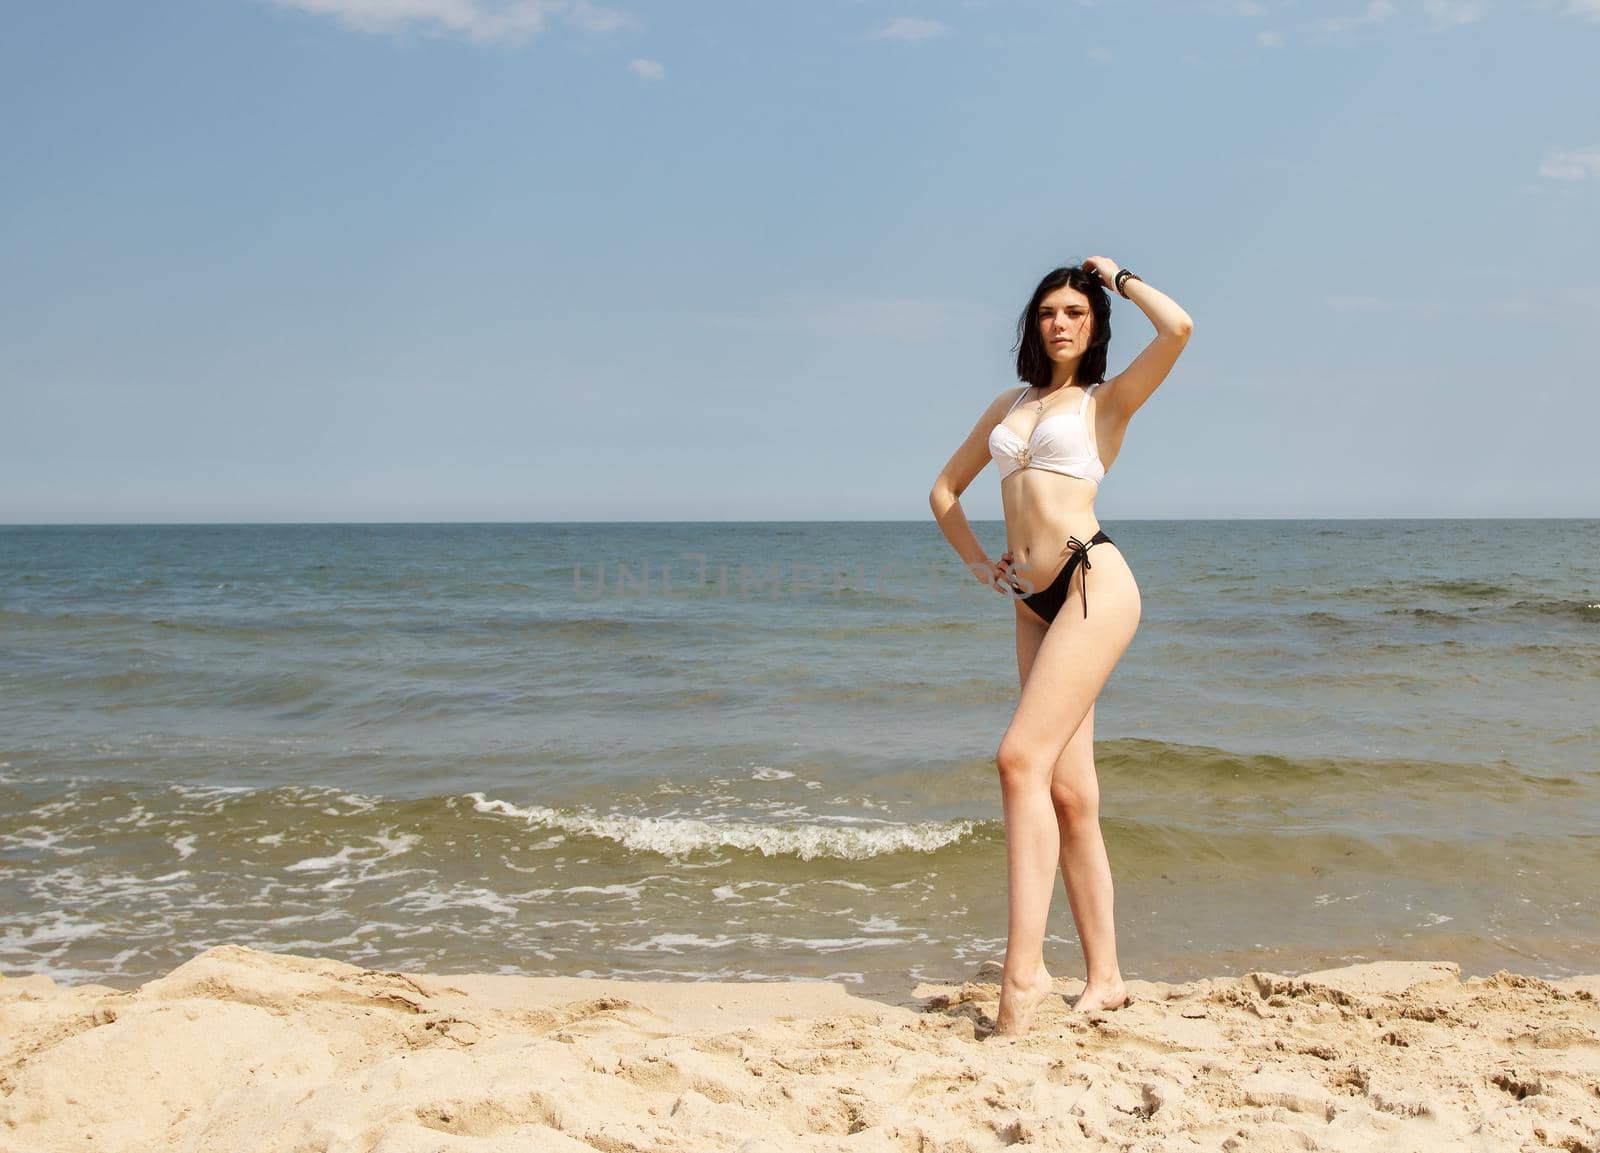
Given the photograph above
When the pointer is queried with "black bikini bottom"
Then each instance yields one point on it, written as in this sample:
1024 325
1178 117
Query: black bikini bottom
1047 602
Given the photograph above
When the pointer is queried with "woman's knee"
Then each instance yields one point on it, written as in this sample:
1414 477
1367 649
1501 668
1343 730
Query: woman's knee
1018 764
1075 800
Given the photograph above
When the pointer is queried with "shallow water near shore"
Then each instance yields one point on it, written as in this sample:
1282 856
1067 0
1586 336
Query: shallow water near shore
764 751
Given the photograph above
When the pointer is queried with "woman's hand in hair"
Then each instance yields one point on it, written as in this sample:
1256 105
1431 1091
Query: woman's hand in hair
1103 267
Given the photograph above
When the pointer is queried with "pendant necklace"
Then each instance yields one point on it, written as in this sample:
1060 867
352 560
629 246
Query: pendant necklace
1039 410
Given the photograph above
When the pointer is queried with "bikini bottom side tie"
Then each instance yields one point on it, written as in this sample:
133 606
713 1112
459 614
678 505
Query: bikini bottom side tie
1047 602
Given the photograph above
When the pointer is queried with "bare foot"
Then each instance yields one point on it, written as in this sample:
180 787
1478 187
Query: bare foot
1102 995
1018 1002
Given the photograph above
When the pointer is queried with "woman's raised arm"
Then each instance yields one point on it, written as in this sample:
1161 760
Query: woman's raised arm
1130 388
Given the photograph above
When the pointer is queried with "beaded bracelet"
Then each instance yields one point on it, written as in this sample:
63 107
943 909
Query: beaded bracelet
1122 277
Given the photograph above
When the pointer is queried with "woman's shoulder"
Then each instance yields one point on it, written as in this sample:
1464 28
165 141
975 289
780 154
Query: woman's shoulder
1002 404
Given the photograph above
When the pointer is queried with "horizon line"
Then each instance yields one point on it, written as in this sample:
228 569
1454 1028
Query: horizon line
814 520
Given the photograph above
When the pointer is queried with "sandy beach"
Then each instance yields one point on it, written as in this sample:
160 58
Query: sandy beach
245 1050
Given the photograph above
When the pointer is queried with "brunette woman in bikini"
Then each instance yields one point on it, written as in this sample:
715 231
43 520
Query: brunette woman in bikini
1053 440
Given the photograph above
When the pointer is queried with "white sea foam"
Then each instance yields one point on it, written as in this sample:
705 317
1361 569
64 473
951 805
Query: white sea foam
55 807
122 959
432 900
52 928
321 864
606 890
859 803
729 891
301 918
779 812
189 790
391 846
394 846
836 944
40 839
675 836
876 924
676 943
1329 898
366 878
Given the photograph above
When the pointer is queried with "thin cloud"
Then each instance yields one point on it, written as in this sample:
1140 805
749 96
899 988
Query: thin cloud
594 18
482 21
1375 12
1453 13
1572 164
909 28
1583 9
647 69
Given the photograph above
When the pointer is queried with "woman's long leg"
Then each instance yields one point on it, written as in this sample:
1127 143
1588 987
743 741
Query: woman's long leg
1085 867
1072 664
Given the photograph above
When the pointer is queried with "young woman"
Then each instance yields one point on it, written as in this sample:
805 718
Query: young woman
1053 440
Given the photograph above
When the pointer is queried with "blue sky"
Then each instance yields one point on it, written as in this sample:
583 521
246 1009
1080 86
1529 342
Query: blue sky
433 260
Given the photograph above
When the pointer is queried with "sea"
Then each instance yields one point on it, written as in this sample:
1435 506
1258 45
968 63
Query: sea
765 751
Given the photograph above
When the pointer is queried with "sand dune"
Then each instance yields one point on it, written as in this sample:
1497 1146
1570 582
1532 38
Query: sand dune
254 1052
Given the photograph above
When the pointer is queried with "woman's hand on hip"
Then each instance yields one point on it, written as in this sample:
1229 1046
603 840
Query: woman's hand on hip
1001 570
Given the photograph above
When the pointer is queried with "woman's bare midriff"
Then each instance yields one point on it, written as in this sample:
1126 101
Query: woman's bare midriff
1042 510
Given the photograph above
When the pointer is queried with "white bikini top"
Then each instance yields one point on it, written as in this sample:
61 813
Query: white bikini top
1061 442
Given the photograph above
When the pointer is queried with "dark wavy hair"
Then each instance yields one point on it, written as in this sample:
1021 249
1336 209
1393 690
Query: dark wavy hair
1033 365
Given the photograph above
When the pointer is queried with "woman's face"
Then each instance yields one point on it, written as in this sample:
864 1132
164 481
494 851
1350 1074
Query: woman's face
1065 324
